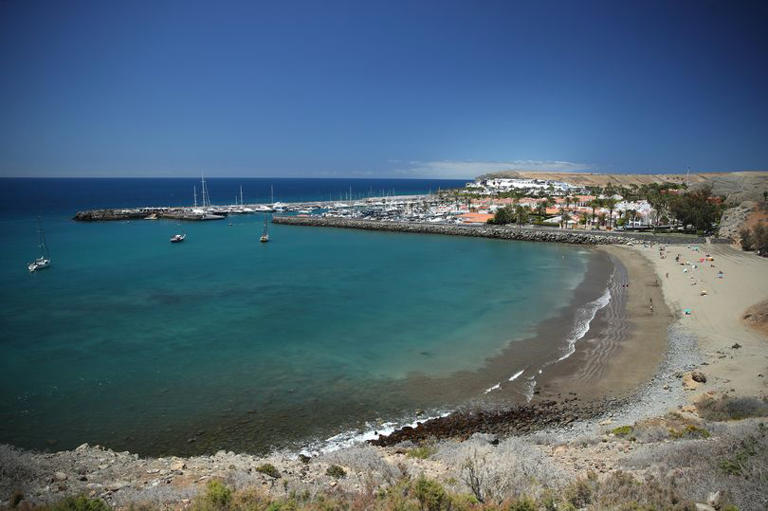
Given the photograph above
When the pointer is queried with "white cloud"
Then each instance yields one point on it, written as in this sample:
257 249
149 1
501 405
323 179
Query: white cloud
469 169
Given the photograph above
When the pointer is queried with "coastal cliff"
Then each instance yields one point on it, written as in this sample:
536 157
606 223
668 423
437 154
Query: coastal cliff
507 232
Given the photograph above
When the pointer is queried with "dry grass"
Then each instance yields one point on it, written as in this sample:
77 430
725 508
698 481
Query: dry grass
365 460
732 408
736 463
513 469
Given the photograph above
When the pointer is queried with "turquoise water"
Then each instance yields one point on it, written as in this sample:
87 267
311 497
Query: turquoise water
220 341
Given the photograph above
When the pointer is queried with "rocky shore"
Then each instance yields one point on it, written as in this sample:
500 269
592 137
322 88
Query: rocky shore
518 420
508 232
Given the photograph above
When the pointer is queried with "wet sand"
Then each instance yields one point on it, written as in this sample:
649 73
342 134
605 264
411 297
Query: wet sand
626 342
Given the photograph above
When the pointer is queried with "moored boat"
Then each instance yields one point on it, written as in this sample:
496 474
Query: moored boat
178 238
44 261
265 234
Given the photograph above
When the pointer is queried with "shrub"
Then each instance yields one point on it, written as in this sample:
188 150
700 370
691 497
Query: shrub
336 472
579 493
217 497
622 492
505 215
422 452
430 494
750 448
80 503
760 233
513 469
747 243
728 408
16 497
735 459
269 469
524 504
689 431
365 460
622 430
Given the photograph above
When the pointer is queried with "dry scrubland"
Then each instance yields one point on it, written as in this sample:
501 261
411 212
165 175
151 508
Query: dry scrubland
695 437
737 186
669 462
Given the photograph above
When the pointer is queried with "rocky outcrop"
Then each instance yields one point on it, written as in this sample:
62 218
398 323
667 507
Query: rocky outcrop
735 219
756 317
507 232
517 420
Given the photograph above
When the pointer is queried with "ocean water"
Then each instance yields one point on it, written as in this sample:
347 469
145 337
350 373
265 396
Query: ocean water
223 342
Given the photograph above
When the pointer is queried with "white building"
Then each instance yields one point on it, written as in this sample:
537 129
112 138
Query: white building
504 184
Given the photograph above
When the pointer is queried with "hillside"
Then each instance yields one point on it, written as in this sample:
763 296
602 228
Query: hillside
736 186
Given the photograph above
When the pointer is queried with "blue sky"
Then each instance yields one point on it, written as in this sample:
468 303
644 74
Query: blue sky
380 89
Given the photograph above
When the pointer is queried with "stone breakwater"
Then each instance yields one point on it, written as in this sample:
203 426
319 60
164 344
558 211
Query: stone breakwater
106 215
507 232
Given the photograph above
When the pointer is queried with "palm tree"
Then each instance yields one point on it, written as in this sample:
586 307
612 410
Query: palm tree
521 214
594 204
456 199
610 204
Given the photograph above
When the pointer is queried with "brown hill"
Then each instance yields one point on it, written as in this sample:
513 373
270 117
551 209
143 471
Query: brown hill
725 183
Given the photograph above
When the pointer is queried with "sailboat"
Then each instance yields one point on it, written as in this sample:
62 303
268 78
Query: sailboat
206 211
44 261
265 235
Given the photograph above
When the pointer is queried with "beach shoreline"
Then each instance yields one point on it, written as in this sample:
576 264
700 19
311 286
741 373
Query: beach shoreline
659 382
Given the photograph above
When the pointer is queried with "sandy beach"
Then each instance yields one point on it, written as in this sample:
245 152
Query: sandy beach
717 306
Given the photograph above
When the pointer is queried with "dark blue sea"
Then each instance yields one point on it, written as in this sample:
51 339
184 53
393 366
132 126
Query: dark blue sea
24 197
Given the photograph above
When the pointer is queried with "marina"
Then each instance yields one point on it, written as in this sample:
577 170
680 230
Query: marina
415 206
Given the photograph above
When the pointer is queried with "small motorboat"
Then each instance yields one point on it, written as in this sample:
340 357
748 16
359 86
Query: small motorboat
178 238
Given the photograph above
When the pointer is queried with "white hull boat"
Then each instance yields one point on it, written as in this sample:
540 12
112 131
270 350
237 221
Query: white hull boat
44 261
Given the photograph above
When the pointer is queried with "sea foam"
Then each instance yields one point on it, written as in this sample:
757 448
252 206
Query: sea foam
584 317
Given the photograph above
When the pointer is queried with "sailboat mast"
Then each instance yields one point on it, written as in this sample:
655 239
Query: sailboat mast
241 195
194 192
205 193
43 244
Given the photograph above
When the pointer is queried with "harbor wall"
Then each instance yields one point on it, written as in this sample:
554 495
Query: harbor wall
509 232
